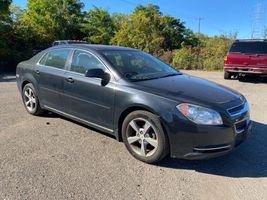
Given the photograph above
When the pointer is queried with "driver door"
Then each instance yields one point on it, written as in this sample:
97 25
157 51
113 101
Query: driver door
87 98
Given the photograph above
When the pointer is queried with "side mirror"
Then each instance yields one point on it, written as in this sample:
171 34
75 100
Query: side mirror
98 73
95 73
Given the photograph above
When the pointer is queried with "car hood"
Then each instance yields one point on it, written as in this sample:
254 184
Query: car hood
185 88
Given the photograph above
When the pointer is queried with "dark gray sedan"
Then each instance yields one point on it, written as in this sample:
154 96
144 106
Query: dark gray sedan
153 108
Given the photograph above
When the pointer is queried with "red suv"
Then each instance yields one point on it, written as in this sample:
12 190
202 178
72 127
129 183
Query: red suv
246 57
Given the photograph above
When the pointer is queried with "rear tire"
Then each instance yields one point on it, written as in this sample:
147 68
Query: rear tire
227 75
30 100
144 136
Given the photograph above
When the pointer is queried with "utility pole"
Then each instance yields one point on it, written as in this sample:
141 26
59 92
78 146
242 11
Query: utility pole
199 23
198 45
255 31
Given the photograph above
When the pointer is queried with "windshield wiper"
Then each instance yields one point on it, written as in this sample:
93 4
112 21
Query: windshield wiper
174 74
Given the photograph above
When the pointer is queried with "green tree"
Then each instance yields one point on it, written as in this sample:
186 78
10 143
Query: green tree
141 30
4 11
175 33
118 19
98 26
149 30
48 20
16 13
5 30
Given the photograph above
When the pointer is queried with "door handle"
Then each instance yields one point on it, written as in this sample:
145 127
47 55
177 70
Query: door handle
37 71
70 80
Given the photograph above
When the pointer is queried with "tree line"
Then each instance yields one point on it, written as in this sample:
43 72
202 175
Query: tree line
146 28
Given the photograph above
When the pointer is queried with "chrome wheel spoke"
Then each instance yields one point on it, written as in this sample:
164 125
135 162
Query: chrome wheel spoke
147 126
31 105
28 103
134 126
27 94
143 148
133 139
152 141
33 100
30 93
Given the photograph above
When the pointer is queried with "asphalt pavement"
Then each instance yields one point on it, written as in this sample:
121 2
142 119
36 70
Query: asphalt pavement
51 157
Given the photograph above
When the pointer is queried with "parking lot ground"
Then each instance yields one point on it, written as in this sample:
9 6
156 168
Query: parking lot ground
50 157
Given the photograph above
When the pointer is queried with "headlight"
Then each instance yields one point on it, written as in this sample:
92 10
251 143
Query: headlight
200 115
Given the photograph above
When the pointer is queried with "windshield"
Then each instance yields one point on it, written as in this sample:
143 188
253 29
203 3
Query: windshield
137 65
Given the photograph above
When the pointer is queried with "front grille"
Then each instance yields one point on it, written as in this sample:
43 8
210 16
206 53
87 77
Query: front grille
240 117
236 109
239 109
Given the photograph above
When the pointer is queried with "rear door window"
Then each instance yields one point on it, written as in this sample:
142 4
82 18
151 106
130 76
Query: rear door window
56 58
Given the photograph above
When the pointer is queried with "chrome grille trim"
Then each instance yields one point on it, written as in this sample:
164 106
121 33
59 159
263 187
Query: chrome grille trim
247 119
212 148
241 111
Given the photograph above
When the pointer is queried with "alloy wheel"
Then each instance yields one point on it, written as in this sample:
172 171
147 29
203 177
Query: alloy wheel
30 100
142 137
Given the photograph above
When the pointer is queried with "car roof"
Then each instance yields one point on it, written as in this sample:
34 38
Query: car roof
93 47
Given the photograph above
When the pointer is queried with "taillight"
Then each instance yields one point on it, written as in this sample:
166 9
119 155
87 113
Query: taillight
225 60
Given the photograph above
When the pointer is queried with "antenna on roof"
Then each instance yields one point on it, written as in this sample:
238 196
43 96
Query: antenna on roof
255 31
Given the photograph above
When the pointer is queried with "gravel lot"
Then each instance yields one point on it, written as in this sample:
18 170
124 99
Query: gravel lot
50 157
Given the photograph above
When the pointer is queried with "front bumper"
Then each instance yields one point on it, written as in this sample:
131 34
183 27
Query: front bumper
190 141
211 151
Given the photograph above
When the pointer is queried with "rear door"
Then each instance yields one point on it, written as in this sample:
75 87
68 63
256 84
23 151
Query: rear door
51 71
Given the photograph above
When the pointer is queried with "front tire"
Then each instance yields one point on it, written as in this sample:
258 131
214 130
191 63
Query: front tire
144 136
30 100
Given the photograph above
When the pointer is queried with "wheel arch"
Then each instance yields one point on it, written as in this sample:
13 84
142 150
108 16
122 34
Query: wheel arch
129 110
25 82
29 78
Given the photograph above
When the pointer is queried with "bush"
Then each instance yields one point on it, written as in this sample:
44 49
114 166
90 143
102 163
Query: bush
208 55
185 58
167 57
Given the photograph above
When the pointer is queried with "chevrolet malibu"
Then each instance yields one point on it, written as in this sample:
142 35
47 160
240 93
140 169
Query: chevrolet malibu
153 108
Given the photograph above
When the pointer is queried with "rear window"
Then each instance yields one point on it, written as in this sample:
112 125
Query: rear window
56 58
262 47
249 47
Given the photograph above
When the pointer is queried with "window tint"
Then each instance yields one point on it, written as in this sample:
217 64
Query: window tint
83 61
56 58
249 47
42 61
262 48
243 47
